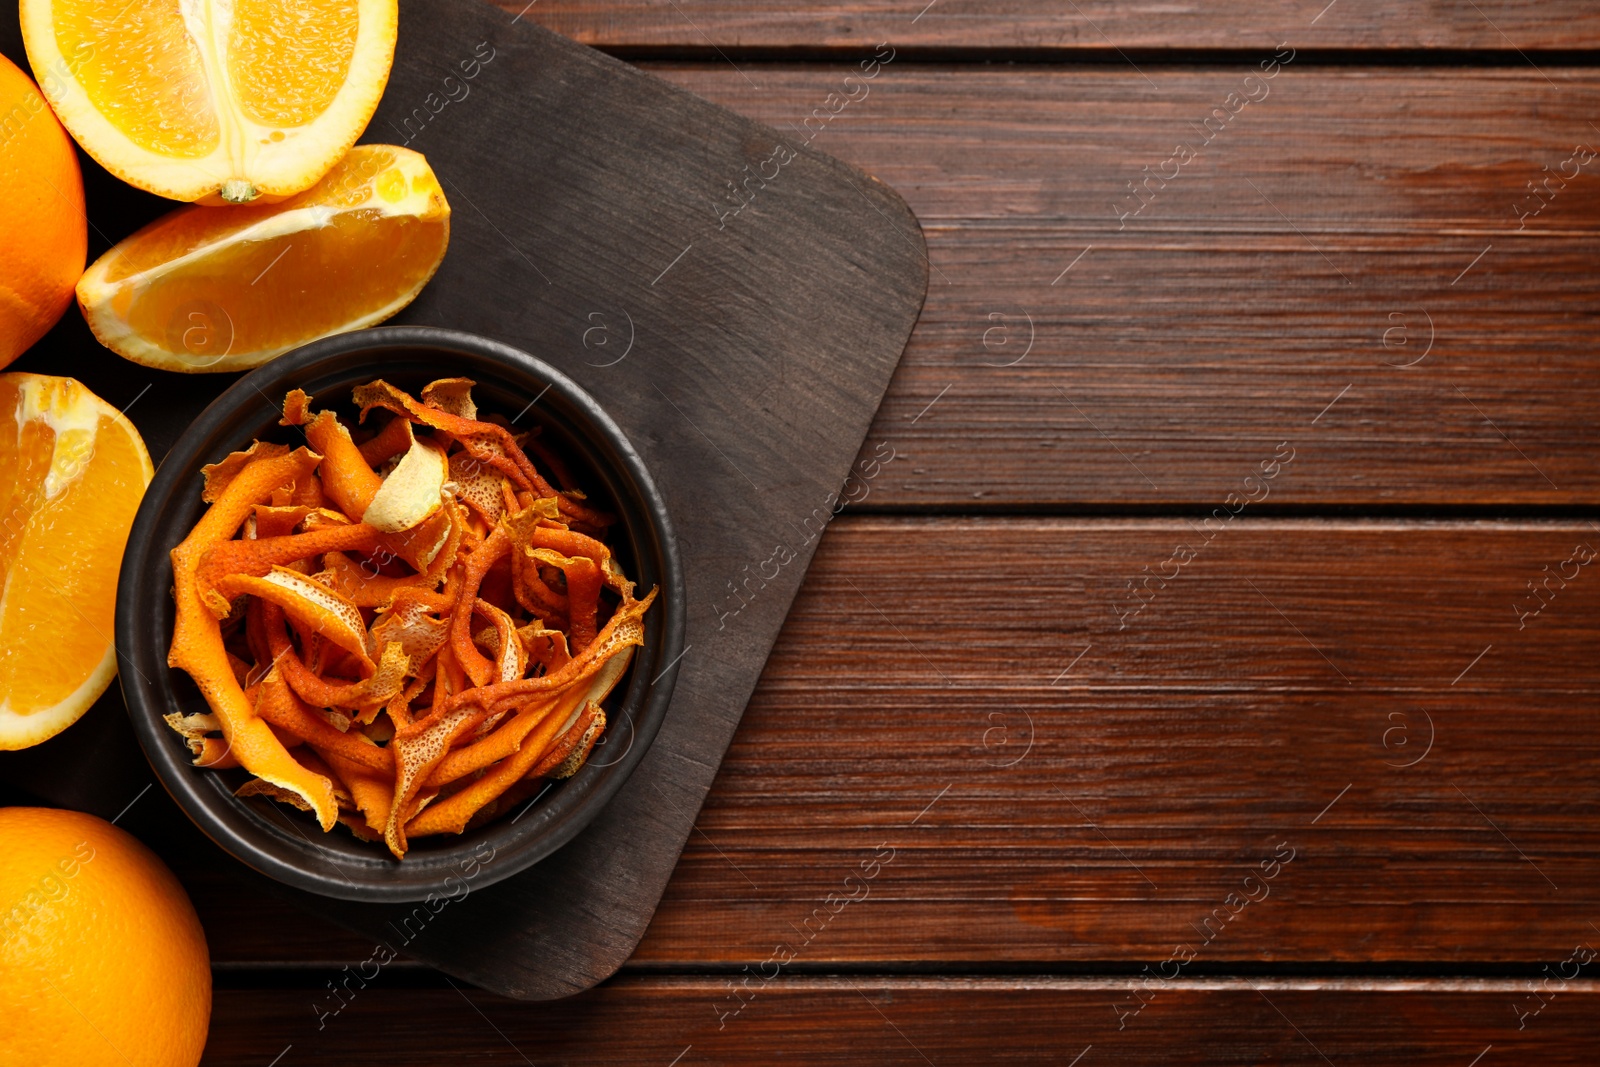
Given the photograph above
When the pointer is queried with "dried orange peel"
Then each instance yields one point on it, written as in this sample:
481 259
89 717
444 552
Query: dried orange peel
197 645
412 492
403 627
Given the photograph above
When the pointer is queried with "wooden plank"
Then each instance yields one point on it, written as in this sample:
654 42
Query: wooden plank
1047 788
1246 297
868 1020
1090 25
928 695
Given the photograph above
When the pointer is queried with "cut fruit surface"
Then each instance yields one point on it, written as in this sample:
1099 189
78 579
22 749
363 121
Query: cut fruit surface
213 100
72 473
223 289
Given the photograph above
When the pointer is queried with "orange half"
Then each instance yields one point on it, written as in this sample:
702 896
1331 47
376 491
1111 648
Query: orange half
223 289
213 100
72 473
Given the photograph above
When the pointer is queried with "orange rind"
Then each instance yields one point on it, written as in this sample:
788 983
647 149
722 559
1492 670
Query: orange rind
357 615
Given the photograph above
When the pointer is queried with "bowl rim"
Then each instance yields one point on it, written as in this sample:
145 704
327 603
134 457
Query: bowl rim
144 583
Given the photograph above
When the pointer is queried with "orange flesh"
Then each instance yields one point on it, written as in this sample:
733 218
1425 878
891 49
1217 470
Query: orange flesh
209 288
288 60
189 230
252 315
66 548
147 46
143 70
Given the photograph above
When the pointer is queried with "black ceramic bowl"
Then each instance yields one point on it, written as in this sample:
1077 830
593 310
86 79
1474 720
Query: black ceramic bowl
285 843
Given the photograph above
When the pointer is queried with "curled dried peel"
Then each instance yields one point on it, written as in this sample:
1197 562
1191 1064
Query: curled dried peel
510 657
387 681
571 543
452 814
321 518
366 697
551 745
278 704
260 556
380 394
216 753
218 476
530 533
366 587
623 629
508 739
399 708
370 793
393 440
352 581
478 484
408 620
262 787
412 492
197 637
352 484
346 478
451 394
296 408
195 729
546 648
477 666
417 750
268 520
583 744
434 544
531 591
490 454
583 593
313 606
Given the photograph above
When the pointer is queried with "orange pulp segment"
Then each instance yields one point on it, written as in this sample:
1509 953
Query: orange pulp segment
215 100
224 289
72 472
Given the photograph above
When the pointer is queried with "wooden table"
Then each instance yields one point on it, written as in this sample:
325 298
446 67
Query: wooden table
1210 677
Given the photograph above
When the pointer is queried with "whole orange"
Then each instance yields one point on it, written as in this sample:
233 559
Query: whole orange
46 234
102 959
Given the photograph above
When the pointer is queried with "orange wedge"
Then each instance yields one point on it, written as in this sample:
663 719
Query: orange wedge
224 289
213 100
72 472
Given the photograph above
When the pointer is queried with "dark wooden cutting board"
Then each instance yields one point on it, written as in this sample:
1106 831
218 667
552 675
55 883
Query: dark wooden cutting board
744 352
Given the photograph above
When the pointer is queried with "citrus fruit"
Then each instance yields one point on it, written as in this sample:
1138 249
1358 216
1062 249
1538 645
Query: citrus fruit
102 959
45 235
217 100
222 289
72 472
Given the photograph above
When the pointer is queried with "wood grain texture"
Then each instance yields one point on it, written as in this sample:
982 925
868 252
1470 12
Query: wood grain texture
1090 25
1305 250
662 1021
916 700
